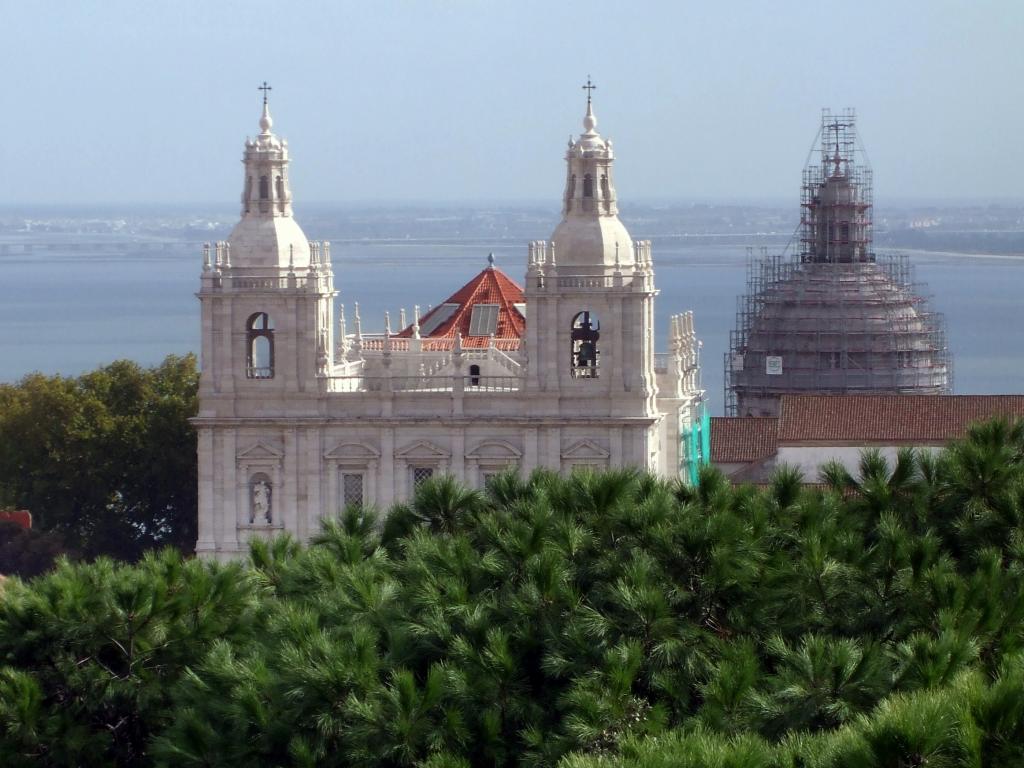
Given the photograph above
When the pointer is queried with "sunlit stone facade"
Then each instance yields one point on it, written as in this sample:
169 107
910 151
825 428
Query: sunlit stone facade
301 414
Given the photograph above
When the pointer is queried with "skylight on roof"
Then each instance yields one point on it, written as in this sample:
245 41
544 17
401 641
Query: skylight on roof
484 320
437 318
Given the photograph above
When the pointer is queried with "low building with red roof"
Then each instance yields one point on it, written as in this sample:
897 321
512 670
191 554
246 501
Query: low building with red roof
813 429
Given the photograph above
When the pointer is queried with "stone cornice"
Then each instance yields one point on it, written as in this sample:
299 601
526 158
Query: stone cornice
536 422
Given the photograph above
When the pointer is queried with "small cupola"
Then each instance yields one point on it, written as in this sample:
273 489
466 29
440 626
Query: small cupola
267 235
590 233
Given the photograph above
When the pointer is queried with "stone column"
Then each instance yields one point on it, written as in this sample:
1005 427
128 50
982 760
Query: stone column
289 492
207 538
387 480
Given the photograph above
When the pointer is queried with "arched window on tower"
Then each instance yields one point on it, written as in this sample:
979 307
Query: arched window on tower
588 185
259 347
264 194
474 375
585 333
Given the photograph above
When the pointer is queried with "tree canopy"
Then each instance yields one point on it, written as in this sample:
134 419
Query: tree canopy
588 621
105 461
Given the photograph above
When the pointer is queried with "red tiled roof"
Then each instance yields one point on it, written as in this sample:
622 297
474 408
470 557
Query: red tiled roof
492 286
735 440
20 517
887 419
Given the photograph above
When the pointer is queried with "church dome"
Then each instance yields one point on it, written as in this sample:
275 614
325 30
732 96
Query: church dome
834 317
838 327
272 242
583 241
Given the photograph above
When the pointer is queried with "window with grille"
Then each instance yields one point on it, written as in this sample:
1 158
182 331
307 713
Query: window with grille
421 474
351 489
484 320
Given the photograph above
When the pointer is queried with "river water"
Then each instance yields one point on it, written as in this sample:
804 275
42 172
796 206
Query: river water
82 301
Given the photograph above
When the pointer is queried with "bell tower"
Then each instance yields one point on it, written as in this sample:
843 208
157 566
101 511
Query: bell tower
590 296
266 292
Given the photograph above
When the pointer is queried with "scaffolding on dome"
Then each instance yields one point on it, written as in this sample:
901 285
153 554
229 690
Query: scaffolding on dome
834 317
836 195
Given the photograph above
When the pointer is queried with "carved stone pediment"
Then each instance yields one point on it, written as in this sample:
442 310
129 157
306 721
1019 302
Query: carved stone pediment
353 451
260 451
423 450
496 450
585 450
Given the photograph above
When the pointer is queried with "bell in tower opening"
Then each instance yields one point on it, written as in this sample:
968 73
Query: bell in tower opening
586 330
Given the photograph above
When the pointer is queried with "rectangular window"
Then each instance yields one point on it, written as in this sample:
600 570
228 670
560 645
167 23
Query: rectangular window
419 474
487 477
351 489
436 318
484 320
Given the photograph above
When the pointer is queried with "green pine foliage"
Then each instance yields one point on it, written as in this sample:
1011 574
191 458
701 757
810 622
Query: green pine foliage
592 621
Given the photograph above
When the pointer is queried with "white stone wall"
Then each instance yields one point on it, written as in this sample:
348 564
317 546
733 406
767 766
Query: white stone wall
809 458
303 464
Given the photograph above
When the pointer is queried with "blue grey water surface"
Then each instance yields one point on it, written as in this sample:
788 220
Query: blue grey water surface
75 305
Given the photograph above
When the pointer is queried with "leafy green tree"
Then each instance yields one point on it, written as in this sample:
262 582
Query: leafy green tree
28 553
106 460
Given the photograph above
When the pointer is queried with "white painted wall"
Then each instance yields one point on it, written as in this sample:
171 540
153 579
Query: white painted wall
809 458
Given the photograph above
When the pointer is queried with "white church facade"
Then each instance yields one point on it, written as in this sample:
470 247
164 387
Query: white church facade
301 414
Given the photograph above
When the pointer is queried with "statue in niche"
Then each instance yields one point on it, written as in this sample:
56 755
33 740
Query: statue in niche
261 503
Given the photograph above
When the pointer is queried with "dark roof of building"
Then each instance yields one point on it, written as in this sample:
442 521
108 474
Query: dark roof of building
500 316
735 440
887 419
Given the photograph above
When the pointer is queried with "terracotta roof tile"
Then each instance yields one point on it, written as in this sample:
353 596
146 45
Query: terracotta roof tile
888 419
743 439
491 286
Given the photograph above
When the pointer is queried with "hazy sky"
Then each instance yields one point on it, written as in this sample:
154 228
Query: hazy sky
138 101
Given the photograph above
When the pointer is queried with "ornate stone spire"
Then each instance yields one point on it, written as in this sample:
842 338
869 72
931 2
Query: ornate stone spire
267 235
590 227
267 191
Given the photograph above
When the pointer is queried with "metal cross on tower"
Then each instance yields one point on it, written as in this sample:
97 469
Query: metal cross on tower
265 88
588 88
